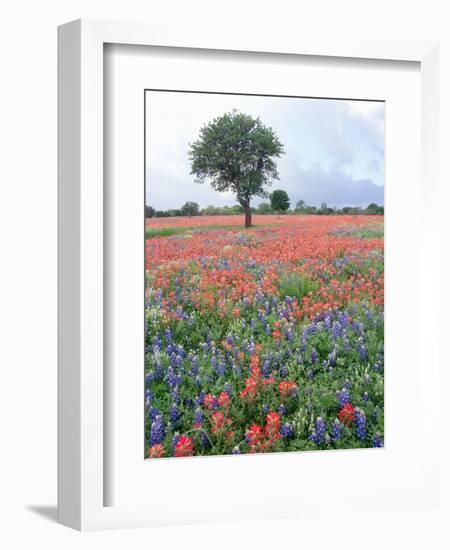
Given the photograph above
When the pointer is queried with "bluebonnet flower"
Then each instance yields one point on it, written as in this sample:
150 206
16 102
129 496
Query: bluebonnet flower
365 396
358 327
314 356
282 410
157 430
346 344
174 414
188 403
153 413
284 371
332 357
287 431
266 369
265 409
157 344
172 379
336 330
200 398
176 359
343 397
194 366
318 434
361 349
227 389
235 450
148 398
198 416
336 430
175 394
360 424
377 441
379 362
310 374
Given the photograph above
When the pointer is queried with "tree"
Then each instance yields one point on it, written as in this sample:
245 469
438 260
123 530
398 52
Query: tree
374 209
236 153
149 211
264 208
300 206
190 209
279 200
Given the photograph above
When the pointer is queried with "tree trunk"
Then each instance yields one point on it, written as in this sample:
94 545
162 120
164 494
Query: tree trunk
248 215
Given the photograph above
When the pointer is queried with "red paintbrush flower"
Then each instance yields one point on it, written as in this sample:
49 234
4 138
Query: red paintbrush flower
346 414
184 446
224 400
287 388
157 451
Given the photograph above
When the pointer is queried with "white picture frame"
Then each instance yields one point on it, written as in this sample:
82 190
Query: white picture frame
81 480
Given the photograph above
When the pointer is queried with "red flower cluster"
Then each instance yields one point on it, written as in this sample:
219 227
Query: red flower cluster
184 446
250 390
157 451
255 381
260 441
209 401
218 421
287 388
347 414
224 400
272 428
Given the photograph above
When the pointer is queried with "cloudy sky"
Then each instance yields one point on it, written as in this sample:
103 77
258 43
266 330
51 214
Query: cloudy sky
334 149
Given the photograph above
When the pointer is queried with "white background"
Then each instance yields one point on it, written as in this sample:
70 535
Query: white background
28 269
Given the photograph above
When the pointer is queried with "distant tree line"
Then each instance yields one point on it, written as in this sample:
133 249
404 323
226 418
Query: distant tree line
279 204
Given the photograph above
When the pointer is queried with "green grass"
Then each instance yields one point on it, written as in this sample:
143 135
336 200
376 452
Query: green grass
362 232
297 286
152 232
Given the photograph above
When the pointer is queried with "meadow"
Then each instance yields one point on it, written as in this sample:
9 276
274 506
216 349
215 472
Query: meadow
265 339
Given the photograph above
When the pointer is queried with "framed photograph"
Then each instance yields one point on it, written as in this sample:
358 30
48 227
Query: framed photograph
238 221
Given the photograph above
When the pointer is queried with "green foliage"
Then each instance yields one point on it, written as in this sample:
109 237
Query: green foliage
152 232
373 209
264 208
236 152
149 211
297 286
279 200
190 209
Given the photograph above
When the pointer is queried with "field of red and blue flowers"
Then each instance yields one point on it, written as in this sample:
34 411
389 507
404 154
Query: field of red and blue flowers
263 340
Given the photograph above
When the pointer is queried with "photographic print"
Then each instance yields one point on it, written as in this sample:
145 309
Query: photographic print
264 274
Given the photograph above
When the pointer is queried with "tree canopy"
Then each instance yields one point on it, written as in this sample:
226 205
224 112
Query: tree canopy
279 200
190 209
236 152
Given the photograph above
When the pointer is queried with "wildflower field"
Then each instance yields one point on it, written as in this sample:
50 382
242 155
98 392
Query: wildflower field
265 339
